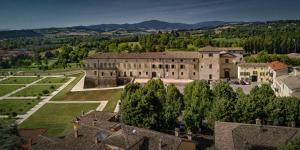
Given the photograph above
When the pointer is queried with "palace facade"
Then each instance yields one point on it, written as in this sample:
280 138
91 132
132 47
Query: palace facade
209 63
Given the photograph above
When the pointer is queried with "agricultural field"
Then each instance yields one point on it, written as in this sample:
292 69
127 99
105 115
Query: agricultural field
50 80
37 90
19 80
56 117
5 89
14 107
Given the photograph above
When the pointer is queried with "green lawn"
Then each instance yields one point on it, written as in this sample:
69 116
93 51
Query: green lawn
37 90
56 117
5 89
112 96
91 95
54 80
16 107
68 88
19 80
113 100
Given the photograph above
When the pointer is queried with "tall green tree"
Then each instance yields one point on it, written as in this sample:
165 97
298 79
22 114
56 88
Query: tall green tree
283 111
173 107
197 97
223 108
143 106
260 96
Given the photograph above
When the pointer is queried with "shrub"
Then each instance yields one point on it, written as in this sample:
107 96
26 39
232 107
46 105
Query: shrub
14 114
45 92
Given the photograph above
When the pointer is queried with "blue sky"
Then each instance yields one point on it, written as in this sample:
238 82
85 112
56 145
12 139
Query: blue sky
24 14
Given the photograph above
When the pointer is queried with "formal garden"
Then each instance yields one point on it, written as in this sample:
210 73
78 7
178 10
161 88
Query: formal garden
19 80
56 116
50 80
14 107
37 90
17 97
6 89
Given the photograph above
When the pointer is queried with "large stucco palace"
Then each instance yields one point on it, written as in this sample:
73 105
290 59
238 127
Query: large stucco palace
209 63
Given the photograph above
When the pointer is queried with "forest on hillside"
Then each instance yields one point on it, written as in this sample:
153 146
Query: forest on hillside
278 37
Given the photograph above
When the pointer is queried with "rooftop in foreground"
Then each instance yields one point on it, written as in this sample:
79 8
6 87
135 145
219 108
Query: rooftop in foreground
98 130
239 136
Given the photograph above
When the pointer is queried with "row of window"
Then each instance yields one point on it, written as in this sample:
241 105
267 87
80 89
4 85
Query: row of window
139 66
160 66
103 65
131 74
254 73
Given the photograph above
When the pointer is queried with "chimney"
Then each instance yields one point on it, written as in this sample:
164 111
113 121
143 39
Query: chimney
160 144
75 127
177 132
30 142
94 122
97 140
258 121
189 135
76 135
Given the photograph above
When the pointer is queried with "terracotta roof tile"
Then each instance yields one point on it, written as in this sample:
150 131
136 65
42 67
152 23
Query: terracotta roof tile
277 65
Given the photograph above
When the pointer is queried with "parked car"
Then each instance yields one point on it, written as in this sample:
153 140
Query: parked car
244 82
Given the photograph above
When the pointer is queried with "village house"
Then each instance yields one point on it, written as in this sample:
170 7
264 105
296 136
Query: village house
253 72
209 63
275 73
276 69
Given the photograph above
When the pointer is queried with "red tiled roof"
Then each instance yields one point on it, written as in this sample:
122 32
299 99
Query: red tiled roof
277 65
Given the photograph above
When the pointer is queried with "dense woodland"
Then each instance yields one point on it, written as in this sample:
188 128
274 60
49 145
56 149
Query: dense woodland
158 107
274 38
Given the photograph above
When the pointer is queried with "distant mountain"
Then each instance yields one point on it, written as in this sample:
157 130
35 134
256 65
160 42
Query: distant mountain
90 30
151 24
18 33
